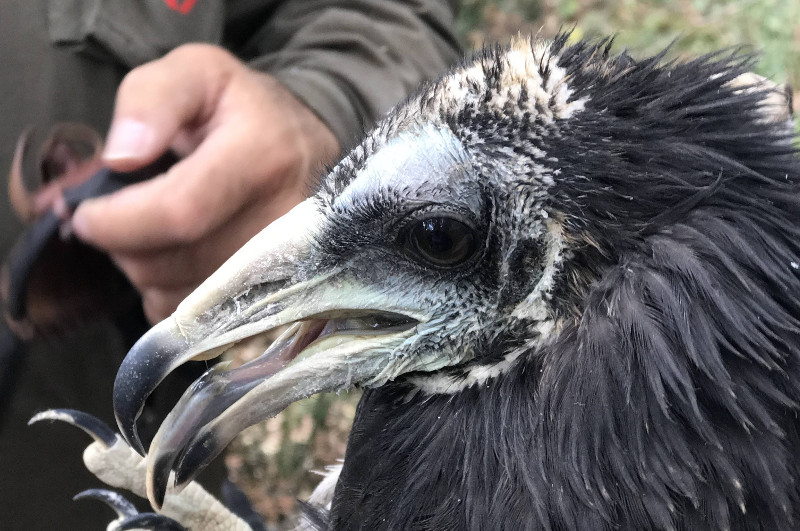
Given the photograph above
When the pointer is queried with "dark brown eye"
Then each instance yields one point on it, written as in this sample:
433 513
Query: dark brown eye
441 241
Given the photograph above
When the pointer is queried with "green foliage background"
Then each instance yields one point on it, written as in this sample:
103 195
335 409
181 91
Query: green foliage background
771 27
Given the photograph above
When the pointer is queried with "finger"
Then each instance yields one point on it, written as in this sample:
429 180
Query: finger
156 100
159 304
189 265
177 267
191 200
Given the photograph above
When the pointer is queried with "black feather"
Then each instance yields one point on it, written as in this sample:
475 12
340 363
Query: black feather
668 399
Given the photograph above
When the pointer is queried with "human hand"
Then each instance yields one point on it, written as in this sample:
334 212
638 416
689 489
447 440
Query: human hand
249 149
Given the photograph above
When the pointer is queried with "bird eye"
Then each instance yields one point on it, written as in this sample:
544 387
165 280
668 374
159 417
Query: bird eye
441 241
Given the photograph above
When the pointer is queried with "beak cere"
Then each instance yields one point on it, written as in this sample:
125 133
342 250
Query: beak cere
337 334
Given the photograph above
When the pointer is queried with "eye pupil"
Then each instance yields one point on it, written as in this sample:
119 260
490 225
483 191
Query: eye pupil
441 241
438 238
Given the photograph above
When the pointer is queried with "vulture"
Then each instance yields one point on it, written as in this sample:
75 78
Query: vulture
568 281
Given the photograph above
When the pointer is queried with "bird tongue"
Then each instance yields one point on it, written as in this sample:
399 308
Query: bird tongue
280 353
218 389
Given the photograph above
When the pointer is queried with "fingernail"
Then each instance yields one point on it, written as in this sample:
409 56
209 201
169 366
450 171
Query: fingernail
128 139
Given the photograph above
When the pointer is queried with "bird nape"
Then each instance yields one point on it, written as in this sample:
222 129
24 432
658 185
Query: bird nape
569 282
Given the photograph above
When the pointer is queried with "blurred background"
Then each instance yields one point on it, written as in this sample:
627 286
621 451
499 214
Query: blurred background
274 462
771 27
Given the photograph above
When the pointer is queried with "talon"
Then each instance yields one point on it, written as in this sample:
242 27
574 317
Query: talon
95 427
153 521
127 515
116 501
21 199
118 465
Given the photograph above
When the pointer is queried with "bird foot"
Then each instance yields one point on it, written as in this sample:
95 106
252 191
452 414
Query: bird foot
115 463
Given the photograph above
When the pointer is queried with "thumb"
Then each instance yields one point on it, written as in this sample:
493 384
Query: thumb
158 100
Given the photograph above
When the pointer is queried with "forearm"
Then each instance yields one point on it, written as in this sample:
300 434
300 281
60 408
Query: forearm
352 61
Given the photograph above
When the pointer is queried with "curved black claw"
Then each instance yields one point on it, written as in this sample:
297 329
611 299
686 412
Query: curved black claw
129 517
95 427
116 501
153 521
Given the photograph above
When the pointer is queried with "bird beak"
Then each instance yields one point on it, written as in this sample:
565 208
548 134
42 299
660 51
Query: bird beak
338 333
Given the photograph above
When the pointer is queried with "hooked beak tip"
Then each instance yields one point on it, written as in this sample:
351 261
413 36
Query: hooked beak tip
186 464
148 362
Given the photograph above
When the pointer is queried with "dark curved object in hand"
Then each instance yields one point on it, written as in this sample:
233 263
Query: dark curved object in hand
29 248
51 281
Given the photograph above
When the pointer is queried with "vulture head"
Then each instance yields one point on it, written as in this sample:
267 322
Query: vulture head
569 282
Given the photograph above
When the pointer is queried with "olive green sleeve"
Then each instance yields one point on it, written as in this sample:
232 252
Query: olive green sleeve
352 61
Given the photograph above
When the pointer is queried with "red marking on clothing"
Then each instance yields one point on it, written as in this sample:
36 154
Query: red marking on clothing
181 6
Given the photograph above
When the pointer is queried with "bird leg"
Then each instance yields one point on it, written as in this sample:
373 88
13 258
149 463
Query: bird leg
115 463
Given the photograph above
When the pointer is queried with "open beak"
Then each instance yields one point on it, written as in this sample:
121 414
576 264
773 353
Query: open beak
338 332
